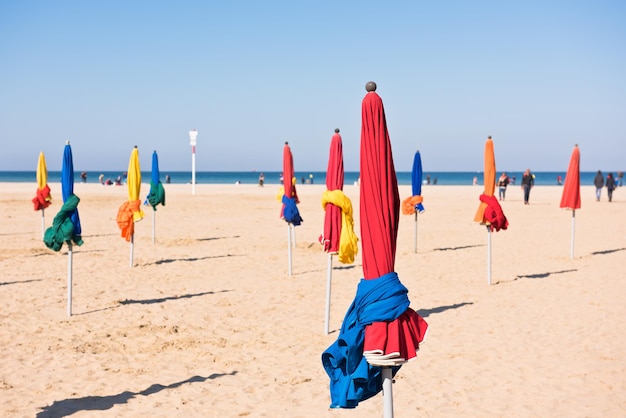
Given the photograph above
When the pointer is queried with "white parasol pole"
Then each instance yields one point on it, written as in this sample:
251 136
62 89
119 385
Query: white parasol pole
488 255
43 224
571 253
329 276
69 279
293 235
132 245
387 392
415 232
289 245
153 224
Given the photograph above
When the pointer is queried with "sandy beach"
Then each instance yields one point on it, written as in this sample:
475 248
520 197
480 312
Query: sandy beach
208 323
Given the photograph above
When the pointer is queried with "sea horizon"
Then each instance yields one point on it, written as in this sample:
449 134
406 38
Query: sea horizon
443 178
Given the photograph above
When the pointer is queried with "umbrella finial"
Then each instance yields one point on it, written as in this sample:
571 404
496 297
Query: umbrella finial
336 130
135 146
286 142
67 142
489 137
370 86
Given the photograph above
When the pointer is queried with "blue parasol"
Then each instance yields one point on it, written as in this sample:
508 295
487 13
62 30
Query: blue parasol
66 224
156 195
416 180
413 204
416 185
67 185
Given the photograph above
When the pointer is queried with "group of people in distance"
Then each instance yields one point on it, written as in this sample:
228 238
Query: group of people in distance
610 184
528 181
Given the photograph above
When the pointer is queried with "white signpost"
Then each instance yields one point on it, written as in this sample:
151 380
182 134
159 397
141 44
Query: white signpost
193 139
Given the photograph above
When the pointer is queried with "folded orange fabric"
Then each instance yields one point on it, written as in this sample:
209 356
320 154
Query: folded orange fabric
408 204
125 218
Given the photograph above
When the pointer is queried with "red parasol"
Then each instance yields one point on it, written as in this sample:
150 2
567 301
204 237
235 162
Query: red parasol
334 181
338 235
395 342
379 332
571 190
289 211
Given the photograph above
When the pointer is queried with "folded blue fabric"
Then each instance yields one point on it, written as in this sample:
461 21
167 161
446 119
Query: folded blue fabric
291 213
352 378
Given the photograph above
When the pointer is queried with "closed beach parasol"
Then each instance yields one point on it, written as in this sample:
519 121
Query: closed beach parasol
130 211
338 235
156 195
289 210
413 205
379 332
43 198
571 190
489 212
66 224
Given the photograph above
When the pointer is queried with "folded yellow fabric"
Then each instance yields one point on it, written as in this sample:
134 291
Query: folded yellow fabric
348 247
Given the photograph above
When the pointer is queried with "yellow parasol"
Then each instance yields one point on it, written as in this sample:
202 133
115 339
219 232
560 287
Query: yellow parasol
43 198
134 185
130 211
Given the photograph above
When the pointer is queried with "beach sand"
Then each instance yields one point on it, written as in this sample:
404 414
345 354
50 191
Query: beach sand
208 323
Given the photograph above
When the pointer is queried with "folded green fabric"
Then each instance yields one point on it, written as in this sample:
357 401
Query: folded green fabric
62 229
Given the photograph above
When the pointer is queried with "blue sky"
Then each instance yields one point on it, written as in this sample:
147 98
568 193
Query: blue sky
539 76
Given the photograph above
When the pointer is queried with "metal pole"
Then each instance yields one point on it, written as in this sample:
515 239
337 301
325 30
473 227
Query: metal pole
69 279
289 246
488 255
43 224
571 253
153 224
132 244
387 392
329 275
293 234
415 232
193 169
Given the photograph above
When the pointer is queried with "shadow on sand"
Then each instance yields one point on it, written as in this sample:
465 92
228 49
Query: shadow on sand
425 313
607 251
67 407
463 247
20 281
161 300
190 259
537 275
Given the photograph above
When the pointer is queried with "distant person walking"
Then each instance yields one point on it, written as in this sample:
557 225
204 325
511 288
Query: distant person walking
261 179
598 181
503 181
610 185
528 181
620 176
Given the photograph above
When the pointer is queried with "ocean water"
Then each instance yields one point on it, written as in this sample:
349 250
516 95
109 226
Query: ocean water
440 178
